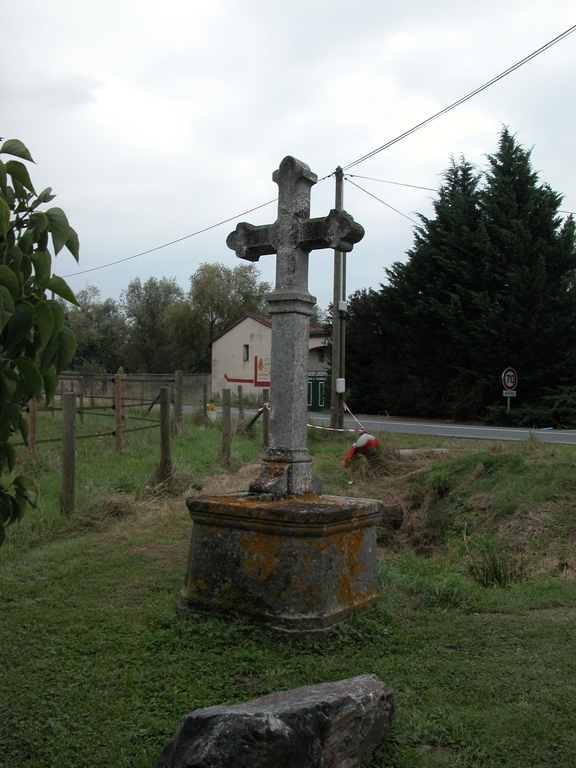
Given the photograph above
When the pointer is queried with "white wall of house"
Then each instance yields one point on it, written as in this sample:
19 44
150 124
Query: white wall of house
241 355
317 355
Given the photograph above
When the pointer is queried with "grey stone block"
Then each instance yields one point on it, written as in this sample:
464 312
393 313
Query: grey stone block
331 725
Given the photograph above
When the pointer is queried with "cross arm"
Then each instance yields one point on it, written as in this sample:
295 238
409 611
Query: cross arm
251 242
338 230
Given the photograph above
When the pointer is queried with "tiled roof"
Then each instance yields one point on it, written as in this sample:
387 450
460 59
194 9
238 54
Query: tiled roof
315 331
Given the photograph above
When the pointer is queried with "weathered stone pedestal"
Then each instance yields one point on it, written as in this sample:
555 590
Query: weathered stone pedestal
301 564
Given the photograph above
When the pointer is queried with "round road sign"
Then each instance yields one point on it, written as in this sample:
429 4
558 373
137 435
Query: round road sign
510 379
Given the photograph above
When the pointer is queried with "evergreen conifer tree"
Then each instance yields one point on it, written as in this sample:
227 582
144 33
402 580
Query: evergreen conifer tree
488 284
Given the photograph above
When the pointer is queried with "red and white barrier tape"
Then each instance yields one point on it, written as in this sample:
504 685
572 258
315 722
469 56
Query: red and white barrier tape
354 417
331 429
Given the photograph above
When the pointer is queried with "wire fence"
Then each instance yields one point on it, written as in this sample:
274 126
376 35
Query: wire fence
107 398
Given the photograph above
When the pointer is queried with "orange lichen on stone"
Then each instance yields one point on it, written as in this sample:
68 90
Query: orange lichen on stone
262 555
198 585
349 549
298 581
311 600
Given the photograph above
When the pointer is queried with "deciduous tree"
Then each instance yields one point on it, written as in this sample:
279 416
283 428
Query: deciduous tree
148 348
100 330
218 297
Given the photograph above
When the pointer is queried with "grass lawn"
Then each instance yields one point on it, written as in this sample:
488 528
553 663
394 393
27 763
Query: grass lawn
97 670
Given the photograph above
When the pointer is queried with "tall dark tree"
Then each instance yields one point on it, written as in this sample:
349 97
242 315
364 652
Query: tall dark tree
488 283
433 301
365 366
533 260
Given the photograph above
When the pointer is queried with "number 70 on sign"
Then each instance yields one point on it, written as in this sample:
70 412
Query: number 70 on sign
510 379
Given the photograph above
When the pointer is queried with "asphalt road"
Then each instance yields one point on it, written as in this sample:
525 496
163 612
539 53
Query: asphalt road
463 431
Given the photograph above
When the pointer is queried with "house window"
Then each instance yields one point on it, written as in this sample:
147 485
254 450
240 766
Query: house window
246 353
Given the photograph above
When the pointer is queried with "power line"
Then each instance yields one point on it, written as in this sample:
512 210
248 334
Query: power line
384 181
381 201
356 162
463 99
172 242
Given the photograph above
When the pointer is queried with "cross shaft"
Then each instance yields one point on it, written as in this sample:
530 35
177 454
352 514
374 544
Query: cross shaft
287 466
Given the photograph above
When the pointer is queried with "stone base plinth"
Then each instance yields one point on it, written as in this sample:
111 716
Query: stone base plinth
302 564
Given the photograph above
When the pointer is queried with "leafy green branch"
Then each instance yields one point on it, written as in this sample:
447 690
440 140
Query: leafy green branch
35 345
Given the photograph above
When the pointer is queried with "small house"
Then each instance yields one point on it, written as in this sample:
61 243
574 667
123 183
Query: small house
241 355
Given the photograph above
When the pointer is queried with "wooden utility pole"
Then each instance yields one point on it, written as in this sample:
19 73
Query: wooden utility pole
338 320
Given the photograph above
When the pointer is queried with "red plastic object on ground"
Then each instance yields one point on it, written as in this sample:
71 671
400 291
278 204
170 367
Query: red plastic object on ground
363 445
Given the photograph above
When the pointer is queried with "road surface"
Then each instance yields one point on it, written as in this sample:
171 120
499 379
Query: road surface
463 431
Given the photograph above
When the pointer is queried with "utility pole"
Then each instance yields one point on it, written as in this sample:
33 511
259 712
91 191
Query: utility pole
338 321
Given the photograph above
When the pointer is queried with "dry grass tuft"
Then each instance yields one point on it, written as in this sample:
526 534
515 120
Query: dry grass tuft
230 482
101 512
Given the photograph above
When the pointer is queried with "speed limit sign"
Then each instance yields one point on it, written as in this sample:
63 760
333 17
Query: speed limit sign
510 379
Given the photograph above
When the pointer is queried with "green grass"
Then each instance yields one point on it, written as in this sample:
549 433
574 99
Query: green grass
106 480
97 670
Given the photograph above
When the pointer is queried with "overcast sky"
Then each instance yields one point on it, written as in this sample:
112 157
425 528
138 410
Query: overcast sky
152 120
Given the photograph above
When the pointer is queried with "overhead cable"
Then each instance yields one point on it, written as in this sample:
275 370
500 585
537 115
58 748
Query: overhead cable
381 201
172 242
384 181
463 99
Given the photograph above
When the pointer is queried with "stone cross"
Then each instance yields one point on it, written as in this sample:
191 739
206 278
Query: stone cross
287 465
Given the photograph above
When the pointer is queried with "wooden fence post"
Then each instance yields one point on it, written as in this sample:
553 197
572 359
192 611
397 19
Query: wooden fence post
123 396
225 450
265 419
81 388
205 401
61 383
118 410
165 470
68 480
32 427
240 406
92 391
178 398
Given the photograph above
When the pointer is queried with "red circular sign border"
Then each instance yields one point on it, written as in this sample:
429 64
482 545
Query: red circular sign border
506 387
